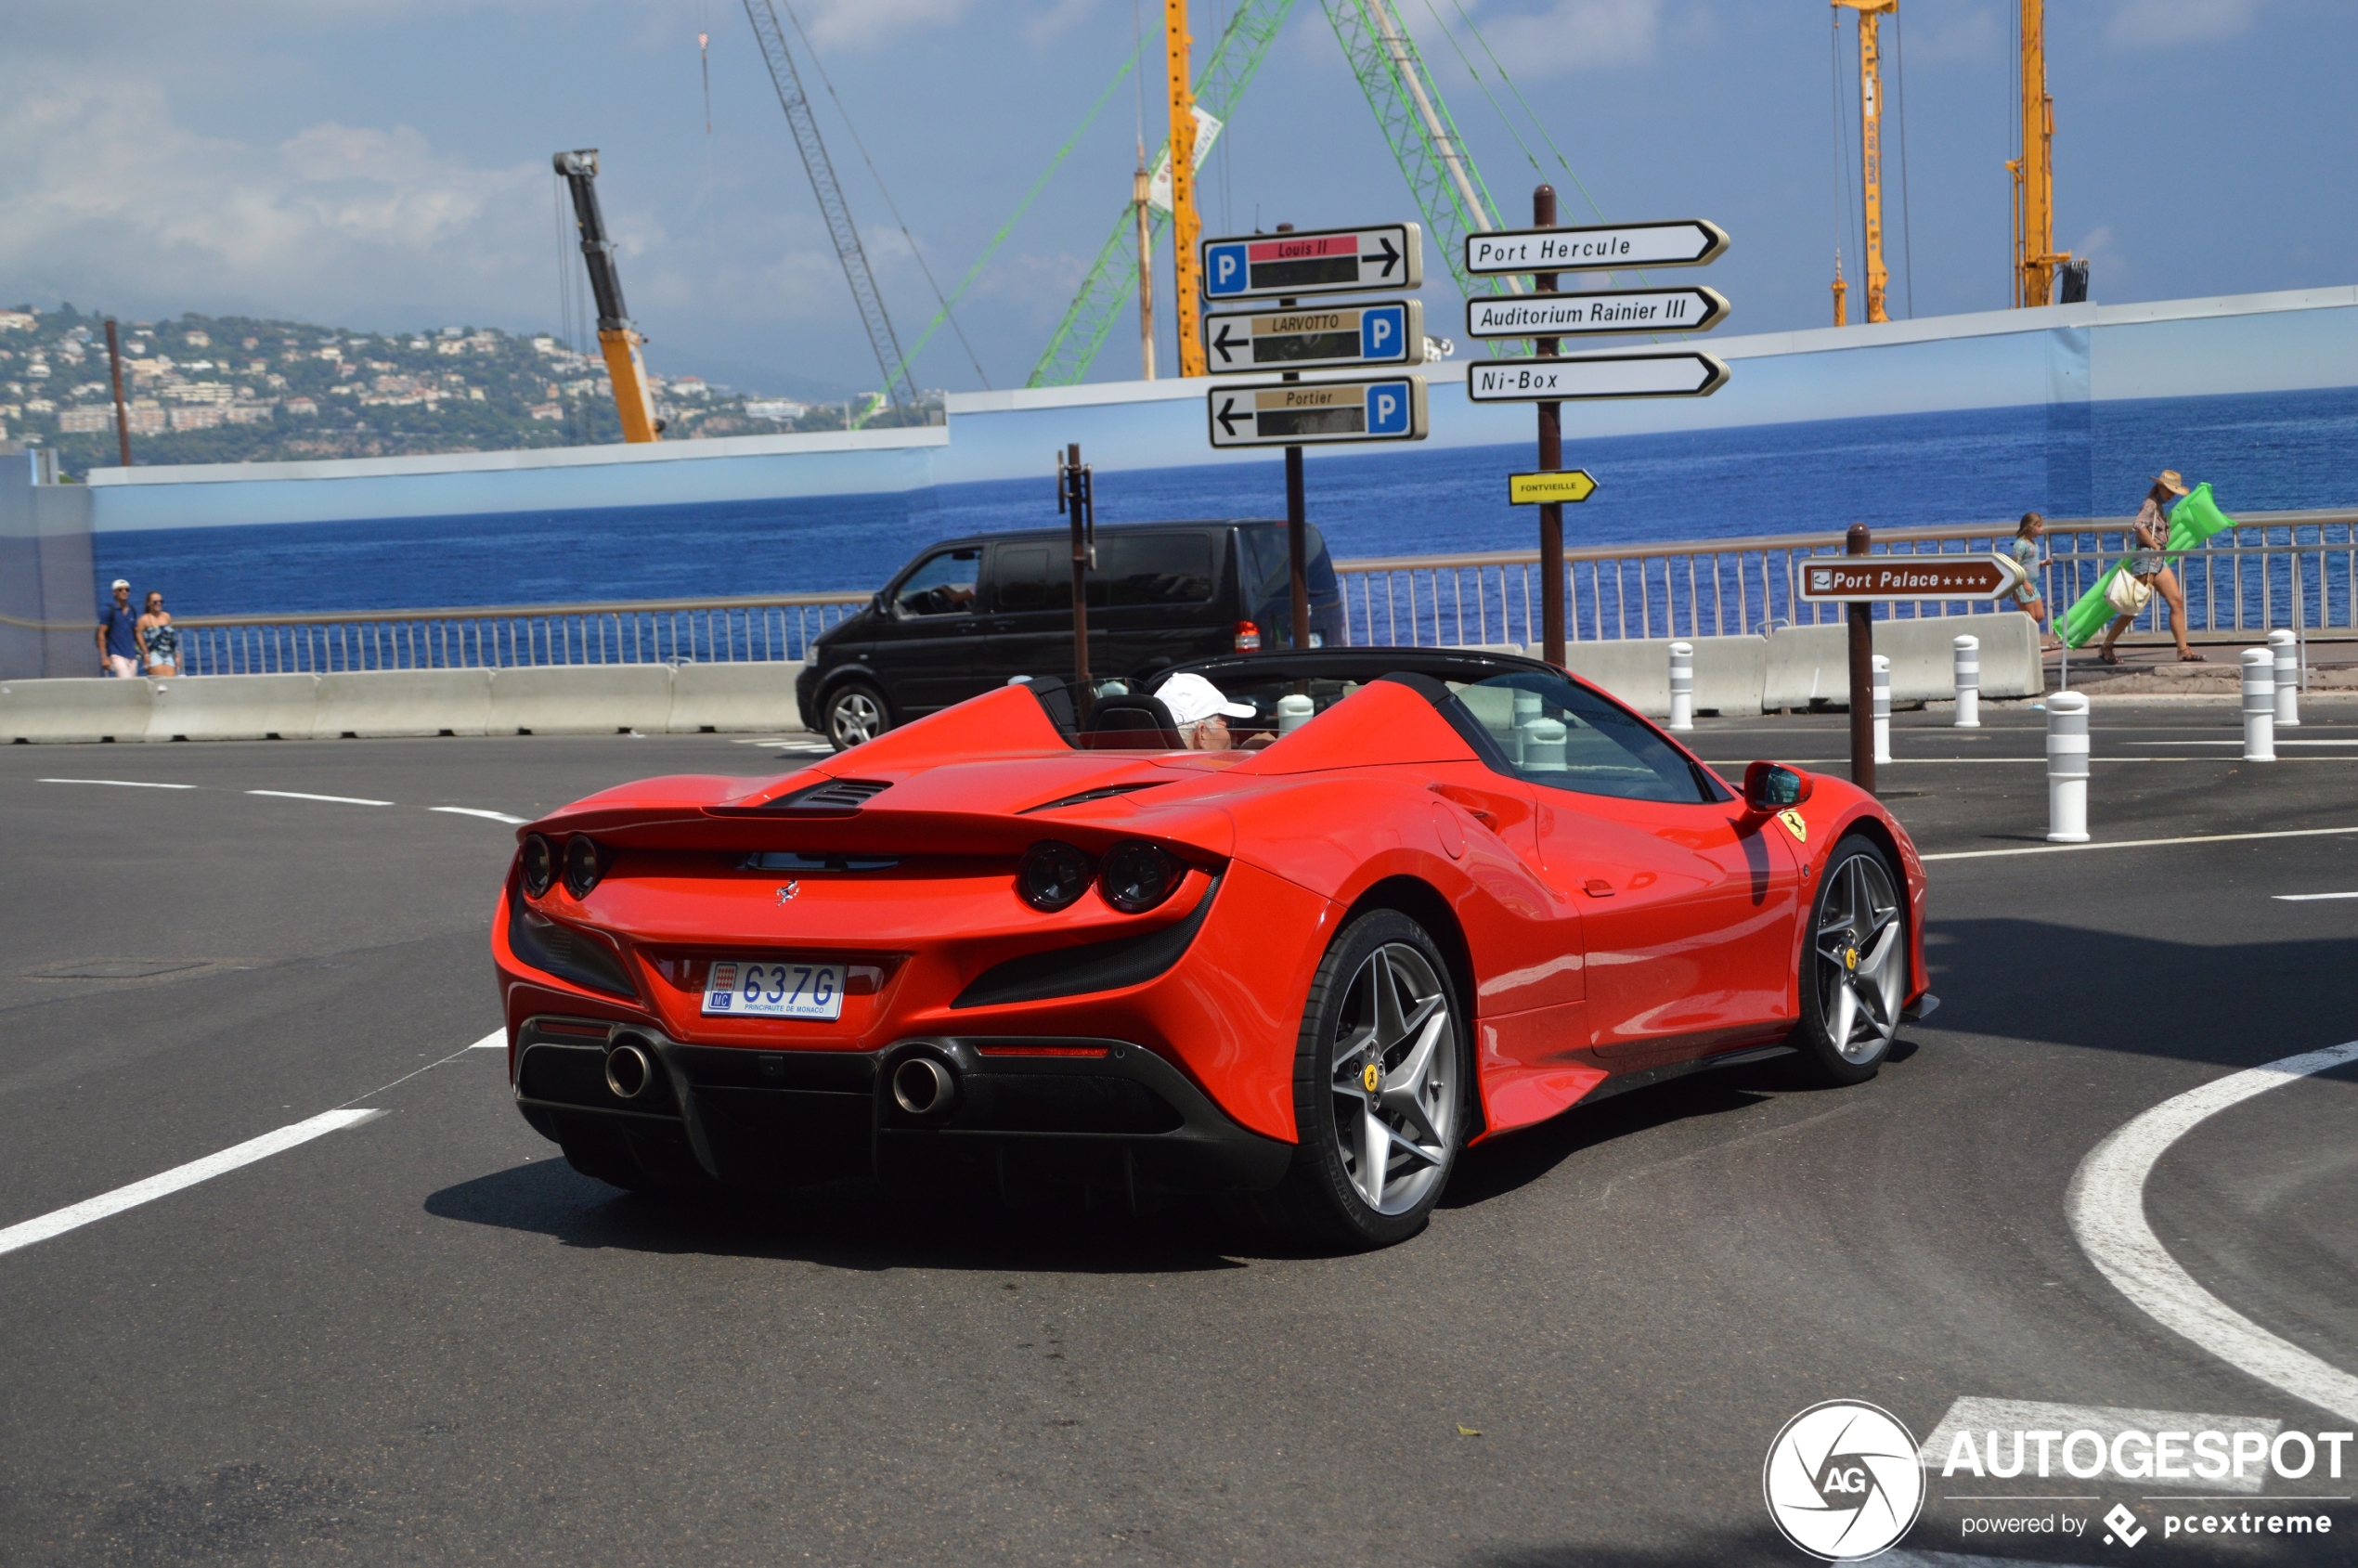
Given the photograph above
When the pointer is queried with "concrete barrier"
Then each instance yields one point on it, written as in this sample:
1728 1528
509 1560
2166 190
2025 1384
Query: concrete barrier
1728 672
735 696
1809 664
92 708
374 703
233 708
595 699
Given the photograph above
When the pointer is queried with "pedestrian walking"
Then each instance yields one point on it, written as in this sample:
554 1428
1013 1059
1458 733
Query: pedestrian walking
2149 568
2028 598
159 643
119 635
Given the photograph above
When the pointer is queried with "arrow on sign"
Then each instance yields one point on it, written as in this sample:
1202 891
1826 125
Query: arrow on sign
1325 261
1226 343
1316 413
1598 247
1854 578
1595 375
1567 485
1391 258
1227 413
1318 337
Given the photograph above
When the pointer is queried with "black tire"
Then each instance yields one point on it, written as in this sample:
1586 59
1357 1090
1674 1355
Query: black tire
1856 948
1422 1102
854 711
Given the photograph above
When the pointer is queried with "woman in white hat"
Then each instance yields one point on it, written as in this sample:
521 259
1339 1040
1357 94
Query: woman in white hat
2150 566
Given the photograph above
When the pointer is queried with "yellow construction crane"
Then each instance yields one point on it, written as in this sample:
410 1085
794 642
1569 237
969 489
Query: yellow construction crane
618 338
1869 152
1183 184
2036 257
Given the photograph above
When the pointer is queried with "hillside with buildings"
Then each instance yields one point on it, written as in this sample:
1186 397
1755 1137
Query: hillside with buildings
202 389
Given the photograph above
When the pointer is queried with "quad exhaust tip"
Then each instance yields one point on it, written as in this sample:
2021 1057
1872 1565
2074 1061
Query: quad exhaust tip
628 1071
923 1086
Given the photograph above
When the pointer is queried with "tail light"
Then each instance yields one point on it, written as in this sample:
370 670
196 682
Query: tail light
1247 638
539 865
1137 875
582 867
1052 874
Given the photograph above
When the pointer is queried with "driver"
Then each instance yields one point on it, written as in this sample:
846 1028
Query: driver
1201 712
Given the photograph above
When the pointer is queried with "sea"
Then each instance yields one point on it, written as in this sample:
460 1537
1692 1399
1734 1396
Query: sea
2261 452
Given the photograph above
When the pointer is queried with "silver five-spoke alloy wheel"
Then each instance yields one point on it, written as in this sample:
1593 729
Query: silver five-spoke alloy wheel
1861 958
854 716
1395 1079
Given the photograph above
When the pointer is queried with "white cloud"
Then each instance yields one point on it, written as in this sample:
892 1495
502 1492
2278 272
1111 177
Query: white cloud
2156 24
859 24
1577 35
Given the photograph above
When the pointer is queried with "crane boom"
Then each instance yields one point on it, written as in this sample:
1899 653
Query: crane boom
1871 147
1184 227
2036 257
618 338
787 80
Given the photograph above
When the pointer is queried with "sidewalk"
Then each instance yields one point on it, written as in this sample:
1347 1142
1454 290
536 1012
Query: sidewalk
2149 667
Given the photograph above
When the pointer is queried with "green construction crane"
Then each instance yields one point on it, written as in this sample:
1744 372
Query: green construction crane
1112 284
1417 127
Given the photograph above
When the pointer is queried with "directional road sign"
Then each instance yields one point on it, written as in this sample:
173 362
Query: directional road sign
1605 310
1332 261
1853 578
1595 375
1311 414
1530 490
1688 242
1390 333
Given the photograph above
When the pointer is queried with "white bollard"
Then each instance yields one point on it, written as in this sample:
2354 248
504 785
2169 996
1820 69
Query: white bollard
2068 768
1682 685
1294 711
2285 646
1543 745
1883 709
2260 706
1968 682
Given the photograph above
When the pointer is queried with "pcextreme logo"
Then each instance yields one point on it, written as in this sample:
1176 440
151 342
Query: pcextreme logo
1843 1482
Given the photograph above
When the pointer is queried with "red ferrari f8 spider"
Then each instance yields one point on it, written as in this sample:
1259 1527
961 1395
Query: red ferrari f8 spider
1428 897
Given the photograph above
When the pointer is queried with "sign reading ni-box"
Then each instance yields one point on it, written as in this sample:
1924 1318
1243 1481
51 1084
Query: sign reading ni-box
1332 261
1310 413
1598 248
1332 336
1595 375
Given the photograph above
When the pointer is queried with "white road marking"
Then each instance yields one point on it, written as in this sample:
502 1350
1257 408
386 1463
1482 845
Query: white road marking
331 799
2310 897
2136 843
117 783
2106 1207
2280 741
76 1215
479 812
2106 1422
496 1041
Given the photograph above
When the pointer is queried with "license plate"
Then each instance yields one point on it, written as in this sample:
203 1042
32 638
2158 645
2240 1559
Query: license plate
764 990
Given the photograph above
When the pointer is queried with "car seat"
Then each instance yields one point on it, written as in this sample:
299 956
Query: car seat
1132 721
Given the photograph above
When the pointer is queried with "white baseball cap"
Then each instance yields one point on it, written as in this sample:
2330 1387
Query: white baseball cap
1192 699
119 582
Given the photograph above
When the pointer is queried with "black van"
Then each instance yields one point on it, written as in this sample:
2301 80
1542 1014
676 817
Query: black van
970 613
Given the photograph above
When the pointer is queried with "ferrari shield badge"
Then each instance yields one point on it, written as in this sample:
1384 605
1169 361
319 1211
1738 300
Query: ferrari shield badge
1372 1078
1794 825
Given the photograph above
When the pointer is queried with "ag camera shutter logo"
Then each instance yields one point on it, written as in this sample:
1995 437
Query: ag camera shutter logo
1842 1481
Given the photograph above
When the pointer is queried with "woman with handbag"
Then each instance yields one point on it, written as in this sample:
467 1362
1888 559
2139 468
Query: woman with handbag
2147 572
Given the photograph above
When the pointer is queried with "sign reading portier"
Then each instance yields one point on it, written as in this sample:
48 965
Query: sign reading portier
1606 310
1321 338
1595 375
1603 247
1315 413
1920 577
1332 261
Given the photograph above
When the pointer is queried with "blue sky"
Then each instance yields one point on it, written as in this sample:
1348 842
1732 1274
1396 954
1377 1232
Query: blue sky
384 164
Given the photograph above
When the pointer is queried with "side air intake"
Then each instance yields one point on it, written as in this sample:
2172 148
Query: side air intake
836 798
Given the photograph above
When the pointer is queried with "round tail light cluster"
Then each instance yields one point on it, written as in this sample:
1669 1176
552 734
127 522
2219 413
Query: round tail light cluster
581 861
1135 876
539 865
581 865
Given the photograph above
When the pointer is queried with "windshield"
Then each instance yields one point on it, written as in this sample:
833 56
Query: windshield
1553 732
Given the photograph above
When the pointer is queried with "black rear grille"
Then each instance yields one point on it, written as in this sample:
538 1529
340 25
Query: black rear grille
836 798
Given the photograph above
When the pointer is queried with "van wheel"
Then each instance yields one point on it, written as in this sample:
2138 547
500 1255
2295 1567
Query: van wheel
854 712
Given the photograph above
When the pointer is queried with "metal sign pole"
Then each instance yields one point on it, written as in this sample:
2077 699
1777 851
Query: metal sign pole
1074 497
1296 524
1551 458
1861 615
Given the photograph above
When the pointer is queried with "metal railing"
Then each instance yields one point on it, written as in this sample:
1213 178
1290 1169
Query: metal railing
2275 569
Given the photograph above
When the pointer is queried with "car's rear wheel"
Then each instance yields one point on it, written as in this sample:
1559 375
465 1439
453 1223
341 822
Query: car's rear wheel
1854 972
1380 1089
854 712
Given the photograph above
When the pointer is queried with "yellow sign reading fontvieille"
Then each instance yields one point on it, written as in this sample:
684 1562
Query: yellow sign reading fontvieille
1571 485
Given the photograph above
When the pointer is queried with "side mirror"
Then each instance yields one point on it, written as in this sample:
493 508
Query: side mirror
1771 786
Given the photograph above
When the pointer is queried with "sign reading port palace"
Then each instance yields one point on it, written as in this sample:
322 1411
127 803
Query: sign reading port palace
1851 579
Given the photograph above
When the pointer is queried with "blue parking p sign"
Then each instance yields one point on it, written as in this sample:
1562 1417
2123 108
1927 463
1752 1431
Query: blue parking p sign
1381 331
1224 270
1390 405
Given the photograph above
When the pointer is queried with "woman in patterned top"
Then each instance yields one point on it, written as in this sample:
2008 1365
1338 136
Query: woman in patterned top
2150 566
159 645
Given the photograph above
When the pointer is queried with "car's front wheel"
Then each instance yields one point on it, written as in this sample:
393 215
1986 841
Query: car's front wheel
1854 973
1380 1088
854 712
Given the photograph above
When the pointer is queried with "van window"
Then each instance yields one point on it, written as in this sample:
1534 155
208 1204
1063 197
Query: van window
943 584
1268 573
1151 569
1031 577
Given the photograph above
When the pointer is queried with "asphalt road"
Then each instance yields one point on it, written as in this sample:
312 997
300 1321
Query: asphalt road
424 1339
